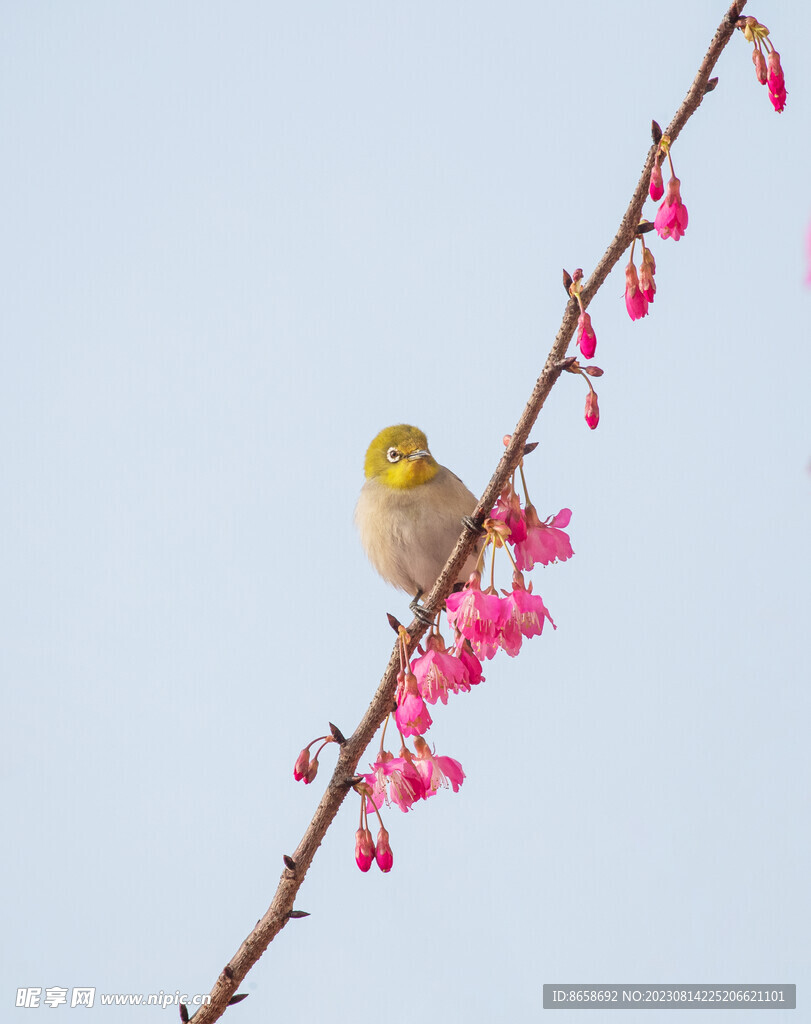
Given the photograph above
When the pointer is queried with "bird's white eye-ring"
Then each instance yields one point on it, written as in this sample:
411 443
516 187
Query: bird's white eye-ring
393 455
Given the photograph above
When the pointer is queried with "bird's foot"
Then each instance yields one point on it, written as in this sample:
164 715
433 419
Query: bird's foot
420 613
472 524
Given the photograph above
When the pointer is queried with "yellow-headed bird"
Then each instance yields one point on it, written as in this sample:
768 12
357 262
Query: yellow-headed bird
410 511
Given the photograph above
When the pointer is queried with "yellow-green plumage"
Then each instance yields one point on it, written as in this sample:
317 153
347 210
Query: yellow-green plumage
410 510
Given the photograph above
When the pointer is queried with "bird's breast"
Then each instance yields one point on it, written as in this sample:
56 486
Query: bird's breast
409 533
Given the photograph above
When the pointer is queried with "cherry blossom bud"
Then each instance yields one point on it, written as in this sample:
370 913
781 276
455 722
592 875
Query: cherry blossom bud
364 849
656 187
312 771
412 716
760 65
776 82
592 410
586 338
301 765
646 271
575 282
635 301
383 854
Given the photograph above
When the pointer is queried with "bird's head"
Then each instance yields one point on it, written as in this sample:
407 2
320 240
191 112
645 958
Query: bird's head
399 457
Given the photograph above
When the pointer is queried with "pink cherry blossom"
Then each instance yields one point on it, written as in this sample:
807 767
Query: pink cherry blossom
510 636
394 778
364 849
405 783
671 220
437 770
546 542
376 781
437 672
412 716
526 609
635 301
472 665
508 510
475 614
586 338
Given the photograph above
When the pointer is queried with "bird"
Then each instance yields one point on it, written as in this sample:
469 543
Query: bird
410 512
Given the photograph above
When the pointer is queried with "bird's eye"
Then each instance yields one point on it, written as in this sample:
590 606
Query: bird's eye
393 455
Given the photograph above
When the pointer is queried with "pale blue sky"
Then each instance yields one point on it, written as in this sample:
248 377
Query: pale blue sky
237 241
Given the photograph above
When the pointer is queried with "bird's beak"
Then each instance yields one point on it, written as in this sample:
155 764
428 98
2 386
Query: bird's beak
423 453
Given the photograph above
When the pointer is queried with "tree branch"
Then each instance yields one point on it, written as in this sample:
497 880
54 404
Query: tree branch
281 907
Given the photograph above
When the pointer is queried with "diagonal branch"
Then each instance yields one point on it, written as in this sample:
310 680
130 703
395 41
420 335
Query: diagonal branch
352 750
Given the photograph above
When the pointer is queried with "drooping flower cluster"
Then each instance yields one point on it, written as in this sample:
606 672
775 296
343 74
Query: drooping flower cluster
483 621
306 767
671 218
489 621
670 222
640 288
366 850
534 540
440 670
587 342
586 338
414 775
419 773
767 68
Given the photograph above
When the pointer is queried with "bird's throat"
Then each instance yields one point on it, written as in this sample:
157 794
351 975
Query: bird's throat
407 474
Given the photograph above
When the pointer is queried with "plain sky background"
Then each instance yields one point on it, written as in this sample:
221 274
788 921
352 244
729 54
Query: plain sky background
237 240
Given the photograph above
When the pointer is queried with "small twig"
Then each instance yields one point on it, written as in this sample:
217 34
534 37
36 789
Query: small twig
351 751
